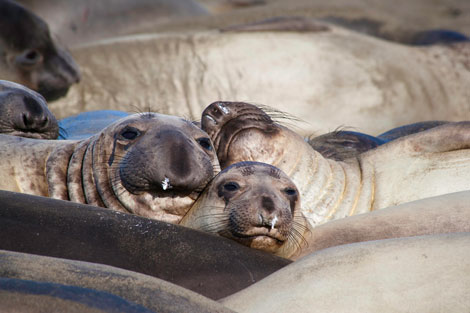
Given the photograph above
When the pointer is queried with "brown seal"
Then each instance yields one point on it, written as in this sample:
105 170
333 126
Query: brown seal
421 165
30 56
149 164
253 203
24 113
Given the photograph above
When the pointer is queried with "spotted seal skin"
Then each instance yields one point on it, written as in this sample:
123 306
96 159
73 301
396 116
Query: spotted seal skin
148 164
29 56
425 164
24 113
253 203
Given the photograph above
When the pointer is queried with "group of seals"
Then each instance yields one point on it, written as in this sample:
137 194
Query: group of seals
330 189
30 56
149 164
24 112
368 83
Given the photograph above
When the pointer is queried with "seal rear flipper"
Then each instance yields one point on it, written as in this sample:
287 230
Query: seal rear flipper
281 24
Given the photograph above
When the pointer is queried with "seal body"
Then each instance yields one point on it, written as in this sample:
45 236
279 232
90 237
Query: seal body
374 81
24 113
253 203
425 164
148 164
30 56
416 274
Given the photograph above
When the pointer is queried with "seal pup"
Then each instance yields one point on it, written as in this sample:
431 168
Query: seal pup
413 274
30 56
24 113
253 203
425 164
148 164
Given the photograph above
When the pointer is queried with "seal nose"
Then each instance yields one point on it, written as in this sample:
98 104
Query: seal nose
34 117
268 214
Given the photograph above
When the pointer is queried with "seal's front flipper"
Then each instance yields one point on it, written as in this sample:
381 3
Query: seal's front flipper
281 24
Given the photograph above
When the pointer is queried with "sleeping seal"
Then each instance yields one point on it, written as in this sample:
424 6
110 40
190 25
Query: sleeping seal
148 164
29 56
24 113
425 164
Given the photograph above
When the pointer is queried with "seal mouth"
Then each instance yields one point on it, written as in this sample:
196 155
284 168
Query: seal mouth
259 233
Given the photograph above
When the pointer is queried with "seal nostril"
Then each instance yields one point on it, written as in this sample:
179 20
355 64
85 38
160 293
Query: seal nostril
26 120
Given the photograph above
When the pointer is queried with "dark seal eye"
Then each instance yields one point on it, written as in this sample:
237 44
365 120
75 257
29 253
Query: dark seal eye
231 186
29 57
129 133
290 191
205 143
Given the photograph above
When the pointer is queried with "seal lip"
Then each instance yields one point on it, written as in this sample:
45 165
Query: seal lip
263 233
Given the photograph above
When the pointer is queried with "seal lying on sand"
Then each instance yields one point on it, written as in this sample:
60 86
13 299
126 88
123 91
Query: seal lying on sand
30 56
24 113
149 164
425 164
418 274
328 77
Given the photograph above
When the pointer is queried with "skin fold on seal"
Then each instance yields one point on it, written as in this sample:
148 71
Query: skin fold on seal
327 75
148 164
253 203
24 113
425 164
30 56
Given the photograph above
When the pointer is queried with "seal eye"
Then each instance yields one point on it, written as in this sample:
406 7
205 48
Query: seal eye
290 191
231 186
129 133
29 57
205 143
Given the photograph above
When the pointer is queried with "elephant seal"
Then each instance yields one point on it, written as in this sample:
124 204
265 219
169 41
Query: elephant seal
119 287
414 274
24 113
148 164
368 83
390 174
253 203
209 265
30 56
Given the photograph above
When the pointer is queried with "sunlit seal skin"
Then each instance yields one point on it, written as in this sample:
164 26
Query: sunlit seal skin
79 22
253 203
29 56
24 113
417 274
148 164
341 77
425 164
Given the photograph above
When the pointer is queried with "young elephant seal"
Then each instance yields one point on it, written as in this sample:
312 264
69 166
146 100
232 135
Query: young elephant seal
24 113
28 54
253 203
425 164
148 164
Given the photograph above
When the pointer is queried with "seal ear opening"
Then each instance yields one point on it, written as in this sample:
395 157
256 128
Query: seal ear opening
29 58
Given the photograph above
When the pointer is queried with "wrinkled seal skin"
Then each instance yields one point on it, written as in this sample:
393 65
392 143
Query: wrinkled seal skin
421 165
253 203
30 56
24 113
148 164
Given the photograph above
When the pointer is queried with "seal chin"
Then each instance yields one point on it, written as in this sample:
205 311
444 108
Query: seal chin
52 94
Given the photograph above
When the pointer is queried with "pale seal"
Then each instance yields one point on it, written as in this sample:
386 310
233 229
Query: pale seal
425 164
24 113
30 56
417 274
253 203
148 164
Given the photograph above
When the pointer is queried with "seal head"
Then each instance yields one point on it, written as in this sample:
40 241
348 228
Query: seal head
30 56
253 203
24 113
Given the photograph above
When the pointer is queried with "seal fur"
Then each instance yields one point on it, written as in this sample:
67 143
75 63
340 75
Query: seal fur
121 168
